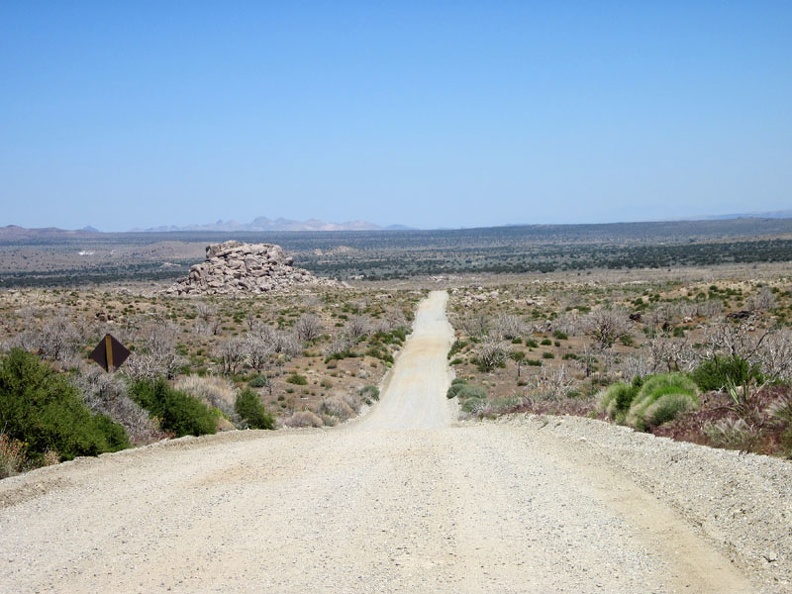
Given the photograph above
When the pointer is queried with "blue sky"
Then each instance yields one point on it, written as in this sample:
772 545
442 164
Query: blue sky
429 114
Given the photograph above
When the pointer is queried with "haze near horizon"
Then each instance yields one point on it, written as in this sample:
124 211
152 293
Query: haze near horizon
452 115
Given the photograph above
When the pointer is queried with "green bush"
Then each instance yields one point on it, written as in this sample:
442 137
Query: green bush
456 347
248 405
615 401
470 397
297 379
456 385
178 413
379 352
667 408
467 392
43 410
258 381
471 405
660 399
370 392
720 372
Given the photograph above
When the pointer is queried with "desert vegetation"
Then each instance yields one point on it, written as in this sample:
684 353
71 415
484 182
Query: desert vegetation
197 365
601 322
689 355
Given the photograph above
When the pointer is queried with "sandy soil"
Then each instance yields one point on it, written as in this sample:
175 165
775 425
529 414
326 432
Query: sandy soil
401 500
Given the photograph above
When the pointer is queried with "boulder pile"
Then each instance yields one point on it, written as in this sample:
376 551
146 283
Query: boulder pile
236 268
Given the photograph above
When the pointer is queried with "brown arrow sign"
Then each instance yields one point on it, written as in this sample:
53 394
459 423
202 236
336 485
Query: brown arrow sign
110 353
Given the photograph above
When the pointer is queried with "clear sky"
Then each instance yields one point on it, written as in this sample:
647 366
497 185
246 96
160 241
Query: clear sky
429 114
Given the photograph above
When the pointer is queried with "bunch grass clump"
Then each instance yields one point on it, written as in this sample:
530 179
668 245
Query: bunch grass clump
471 397
661 398
615 401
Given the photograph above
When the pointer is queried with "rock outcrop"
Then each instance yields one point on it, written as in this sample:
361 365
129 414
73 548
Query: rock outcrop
235 268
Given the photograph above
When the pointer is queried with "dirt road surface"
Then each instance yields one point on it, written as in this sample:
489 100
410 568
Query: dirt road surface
403 499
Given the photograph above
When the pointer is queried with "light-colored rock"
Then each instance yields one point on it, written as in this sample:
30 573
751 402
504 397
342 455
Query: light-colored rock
235 268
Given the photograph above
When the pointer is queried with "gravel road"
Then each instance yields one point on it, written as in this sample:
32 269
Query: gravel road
404 499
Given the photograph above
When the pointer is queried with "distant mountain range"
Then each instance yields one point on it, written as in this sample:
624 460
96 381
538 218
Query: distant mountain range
775 214
11 232
280 224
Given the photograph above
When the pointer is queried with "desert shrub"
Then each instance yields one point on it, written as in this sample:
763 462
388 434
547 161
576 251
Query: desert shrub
473 405
667 408
396 336
471 398
369 393
259 381
719 372
12 456
42 409
213 391
178 413
232 353
456 385
335 407
286 343
508 326
249 407
297 379
732 434
358 327
303 418
660 399
456 347
379 352
490 354
157 356
108 394
477 326
615 401
780 412
470 391
308 327
605 325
